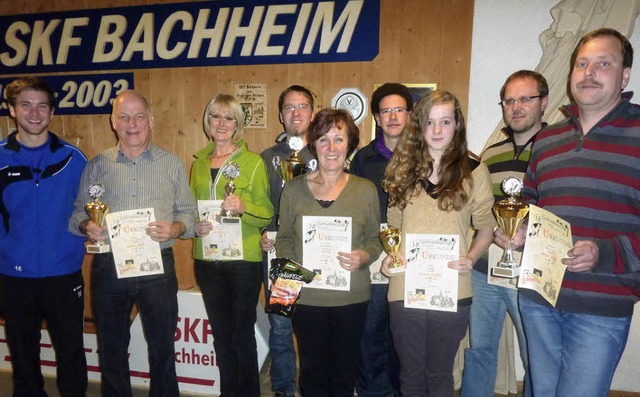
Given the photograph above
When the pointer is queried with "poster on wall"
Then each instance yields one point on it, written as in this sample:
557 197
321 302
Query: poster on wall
253 98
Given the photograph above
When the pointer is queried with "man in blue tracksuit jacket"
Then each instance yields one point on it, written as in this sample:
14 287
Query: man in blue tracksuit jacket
40 261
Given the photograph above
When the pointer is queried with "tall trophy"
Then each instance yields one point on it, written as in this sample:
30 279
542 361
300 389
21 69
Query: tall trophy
510 214
231 171
294 165
97 211
390 239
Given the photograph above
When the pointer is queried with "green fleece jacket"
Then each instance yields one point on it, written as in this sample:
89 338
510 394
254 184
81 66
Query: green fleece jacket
252 186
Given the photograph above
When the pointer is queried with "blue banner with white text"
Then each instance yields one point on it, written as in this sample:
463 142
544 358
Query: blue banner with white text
205 33
79 94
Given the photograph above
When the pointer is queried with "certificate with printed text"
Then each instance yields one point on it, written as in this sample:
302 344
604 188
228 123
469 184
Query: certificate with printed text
322 238
374 269
548 241
135 254
224 242
429 284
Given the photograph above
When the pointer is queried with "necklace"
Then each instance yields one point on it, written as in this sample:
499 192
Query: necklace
224 155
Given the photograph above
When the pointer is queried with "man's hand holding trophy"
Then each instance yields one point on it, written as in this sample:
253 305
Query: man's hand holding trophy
97 211
294 165
510 214
287 169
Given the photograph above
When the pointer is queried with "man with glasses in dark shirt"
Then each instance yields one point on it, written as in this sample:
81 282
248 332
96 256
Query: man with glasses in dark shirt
296 112
391 106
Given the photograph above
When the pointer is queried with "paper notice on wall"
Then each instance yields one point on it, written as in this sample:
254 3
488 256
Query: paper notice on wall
253 98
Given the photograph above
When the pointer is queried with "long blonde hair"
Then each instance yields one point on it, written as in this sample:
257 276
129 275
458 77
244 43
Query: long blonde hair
411 164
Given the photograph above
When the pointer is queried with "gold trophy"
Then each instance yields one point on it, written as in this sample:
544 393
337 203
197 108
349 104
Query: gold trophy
294 165
231 171
289 168
510 214
97 211
390 239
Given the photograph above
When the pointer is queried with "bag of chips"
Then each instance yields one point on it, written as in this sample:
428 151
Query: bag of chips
287 278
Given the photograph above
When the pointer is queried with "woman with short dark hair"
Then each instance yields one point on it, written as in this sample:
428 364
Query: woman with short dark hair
328 323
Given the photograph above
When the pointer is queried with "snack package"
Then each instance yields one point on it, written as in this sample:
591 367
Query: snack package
287 278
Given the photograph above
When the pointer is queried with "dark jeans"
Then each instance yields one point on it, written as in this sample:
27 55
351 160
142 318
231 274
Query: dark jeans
230 291
157 301
60 301
427 342
378 371
329 348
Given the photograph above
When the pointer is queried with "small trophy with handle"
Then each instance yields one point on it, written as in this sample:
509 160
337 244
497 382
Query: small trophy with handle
510 214
97 211
294 165
231 171
390 239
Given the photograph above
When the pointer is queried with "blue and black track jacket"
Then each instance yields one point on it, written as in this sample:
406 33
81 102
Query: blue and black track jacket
37 190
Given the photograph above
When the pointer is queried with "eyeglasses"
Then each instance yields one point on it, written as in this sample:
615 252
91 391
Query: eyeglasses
523 100
216 118
301 106
397 109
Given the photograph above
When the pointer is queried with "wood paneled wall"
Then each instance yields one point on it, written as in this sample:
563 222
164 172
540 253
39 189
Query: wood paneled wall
421 41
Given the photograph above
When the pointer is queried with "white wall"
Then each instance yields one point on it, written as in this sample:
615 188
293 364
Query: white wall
505 39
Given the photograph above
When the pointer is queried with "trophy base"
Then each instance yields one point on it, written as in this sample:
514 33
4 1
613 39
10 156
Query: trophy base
505 272
221 219
98 249
397 269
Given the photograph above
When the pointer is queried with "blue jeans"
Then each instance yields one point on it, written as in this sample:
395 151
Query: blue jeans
572 354
488 310
281 348
283 355
379 367
230 291
113 299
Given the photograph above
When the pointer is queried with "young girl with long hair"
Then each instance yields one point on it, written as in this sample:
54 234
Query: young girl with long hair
435 187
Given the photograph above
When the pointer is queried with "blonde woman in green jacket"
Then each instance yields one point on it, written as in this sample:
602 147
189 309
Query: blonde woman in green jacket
230 288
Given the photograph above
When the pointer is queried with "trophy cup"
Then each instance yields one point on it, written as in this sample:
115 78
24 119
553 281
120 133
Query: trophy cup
231 171
294 165
390 239
97 211
510 214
